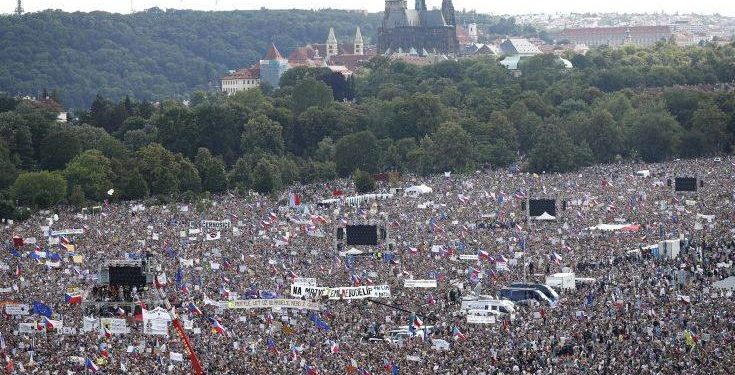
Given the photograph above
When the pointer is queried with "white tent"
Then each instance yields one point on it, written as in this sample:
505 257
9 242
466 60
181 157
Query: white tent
418 190
351 251
728 283
545 216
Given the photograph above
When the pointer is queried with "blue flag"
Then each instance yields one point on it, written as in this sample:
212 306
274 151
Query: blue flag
179 277
319 323
41 309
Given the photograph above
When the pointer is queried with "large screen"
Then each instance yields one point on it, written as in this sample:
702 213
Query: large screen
362 235
537 207
127 276
685 184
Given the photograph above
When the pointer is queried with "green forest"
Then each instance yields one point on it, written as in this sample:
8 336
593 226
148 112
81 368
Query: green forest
456 115
158 54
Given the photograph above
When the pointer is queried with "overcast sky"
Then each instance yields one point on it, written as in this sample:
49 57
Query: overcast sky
725 7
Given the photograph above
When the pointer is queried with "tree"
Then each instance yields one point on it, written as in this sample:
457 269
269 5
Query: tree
212 171
266 176
310 93
127 179
357 151
92 172
8 173
453 147
553 151
711 122
39 189
364 182
262 135
653 133
188 176
160 169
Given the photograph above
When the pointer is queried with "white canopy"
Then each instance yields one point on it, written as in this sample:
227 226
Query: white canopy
419 189
728 283
545 216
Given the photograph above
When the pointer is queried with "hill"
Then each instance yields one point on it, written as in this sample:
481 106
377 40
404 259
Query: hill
159 54
152 54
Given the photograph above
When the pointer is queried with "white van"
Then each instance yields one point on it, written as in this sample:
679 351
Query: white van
472 306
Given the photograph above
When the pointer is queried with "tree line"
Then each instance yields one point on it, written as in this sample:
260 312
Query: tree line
456 115
158 54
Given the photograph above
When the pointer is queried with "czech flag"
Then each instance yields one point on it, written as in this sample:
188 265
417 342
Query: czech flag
89 365
417 322
194 309
217 327
457 334
51 324
334 348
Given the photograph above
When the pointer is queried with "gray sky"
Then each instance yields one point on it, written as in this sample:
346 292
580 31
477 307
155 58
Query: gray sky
725 7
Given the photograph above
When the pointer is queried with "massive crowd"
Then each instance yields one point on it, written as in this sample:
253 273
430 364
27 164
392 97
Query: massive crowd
639 312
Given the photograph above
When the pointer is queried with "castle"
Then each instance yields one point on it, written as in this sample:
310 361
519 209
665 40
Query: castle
419 31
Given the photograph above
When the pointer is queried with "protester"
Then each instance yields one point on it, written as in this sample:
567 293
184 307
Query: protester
643 313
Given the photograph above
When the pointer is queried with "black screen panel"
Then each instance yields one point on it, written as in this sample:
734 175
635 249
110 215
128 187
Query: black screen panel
362 235
127 276
685 184
536 207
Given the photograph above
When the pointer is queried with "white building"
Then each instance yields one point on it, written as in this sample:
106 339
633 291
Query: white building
240 80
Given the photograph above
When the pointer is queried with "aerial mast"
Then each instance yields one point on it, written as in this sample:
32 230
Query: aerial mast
19 8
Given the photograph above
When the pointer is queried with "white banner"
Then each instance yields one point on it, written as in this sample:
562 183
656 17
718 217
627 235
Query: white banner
409 283
271 303
17 309
114 325
478 319
68 331
27 328
155 327
6 290
159 313
64 232
90 324
358 292
216 224
308 281
30 241
178 357
469 257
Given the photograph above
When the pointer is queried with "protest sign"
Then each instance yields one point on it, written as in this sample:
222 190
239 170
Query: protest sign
469 257
410 283
216 224
478 319
65 232
17 309
308 281
114 325
358 292
272 303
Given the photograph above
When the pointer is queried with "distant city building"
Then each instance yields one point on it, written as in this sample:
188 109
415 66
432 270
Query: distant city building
616 36
273 67
418 29
342 58
48 103
240 80
517 50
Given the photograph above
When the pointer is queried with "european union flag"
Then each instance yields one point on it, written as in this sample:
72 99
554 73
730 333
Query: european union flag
54 257
41 309
319 323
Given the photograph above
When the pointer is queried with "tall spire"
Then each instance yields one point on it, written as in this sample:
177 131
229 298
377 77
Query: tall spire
331 43
359 43
19 8
420 4
448 12
273 53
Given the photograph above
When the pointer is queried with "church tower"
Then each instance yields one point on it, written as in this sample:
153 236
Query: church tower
359 43
392 5
420 4
448 12
332 45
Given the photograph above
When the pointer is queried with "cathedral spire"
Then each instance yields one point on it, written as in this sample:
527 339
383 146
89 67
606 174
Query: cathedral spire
420 4
359 43
331 43
448 12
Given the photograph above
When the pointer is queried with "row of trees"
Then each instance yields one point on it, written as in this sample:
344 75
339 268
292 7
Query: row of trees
455 116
